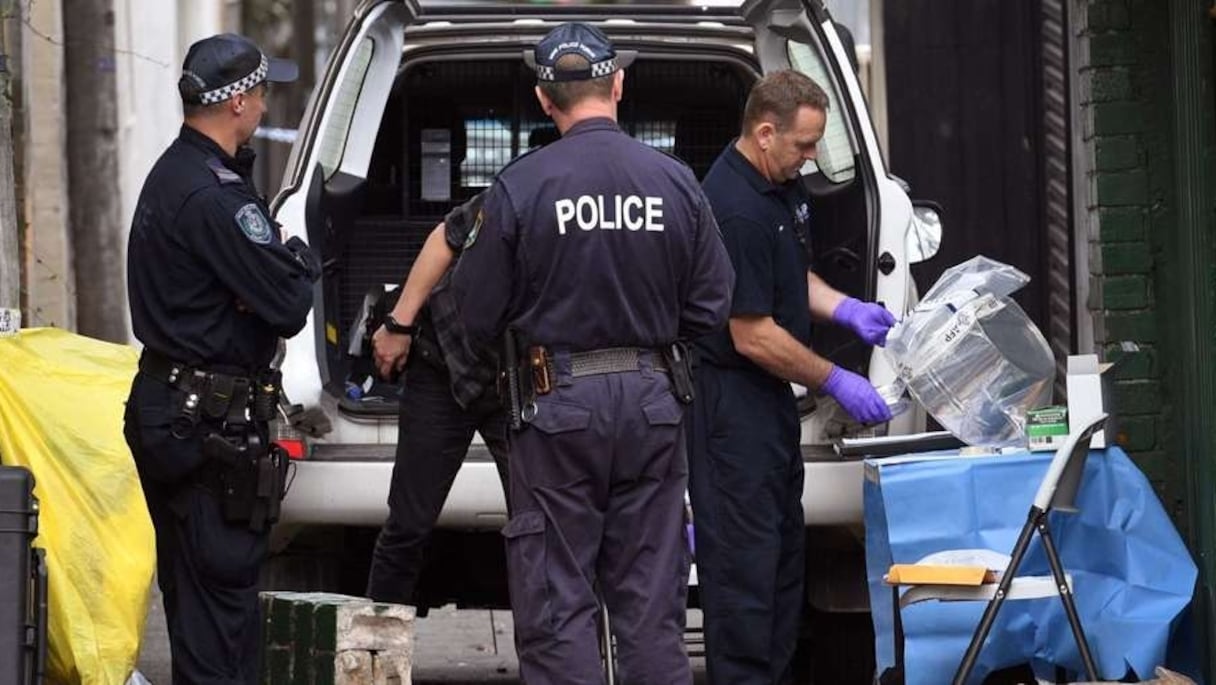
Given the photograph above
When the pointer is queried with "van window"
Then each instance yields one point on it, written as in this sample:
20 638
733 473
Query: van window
489 144
489 149
836 151
657 134
333 139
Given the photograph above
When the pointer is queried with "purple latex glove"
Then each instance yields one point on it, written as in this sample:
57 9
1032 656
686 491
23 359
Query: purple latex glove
857 396
870 321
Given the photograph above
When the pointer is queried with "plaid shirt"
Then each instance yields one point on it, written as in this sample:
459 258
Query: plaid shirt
473 372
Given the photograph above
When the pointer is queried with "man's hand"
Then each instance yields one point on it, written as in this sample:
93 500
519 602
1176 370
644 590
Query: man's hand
391 350
870 321
857 396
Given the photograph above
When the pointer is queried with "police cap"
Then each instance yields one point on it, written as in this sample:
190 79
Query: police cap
576 38
225 65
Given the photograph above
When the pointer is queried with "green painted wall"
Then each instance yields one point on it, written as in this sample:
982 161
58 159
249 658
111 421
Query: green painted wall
1148 108
1127 134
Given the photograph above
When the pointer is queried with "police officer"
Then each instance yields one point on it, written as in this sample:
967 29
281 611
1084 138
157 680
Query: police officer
596 252
212 289
746 466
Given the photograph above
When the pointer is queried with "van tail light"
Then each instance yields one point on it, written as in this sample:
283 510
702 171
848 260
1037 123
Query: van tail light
289 438
296 449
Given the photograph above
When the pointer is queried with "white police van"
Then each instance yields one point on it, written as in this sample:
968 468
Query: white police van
418 107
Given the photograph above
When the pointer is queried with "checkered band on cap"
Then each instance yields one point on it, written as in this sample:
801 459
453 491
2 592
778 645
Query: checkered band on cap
598 69
604 68
236 87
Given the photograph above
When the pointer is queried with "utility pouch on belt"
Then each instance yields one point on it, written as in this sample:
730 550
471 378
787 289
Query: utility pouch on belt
266 395
539 364
680 365
217 395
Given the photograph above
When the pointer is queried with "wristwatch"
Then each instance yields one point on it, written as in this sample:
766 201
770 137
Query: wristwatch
393 326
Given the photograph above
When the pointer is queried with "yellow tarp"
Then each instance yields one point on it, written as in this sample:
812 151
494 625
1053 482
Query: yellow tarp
61 404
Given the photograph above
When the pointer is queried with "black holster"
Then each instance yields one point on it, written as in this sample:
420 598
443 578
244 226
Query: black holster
679 363
516 382
249 478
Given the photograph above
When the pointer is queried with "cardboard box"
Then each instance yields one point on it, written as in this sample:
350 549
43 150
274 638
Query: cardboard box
1047 428
1089 392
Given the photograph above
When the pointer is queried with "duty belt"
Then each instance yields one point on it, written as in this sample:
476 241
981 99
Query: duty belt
212 394
612 360
534 373
590 363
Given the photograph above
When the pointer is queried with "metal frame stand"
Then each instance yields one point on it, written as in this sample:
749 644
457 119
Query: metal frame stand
607 646
1037 520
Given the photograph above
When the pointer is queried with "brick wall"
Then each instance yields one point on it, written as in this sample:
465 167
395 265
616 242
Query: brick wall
327 639
1126 139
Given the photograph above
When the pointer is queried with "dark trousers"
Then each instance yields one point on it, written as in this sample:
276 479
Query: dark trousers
207 569
597 491
746 489
434 433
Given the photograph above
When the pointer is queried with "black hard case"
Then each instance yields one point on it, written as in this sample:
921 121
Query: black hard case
23 583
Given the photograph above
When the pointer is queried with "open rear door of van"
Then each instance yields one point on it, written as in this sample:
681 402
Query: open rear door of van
327 170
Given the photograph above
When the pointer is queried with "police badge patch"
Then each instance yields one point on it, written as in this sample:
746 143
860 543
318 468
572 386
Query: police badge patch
253 223
472 237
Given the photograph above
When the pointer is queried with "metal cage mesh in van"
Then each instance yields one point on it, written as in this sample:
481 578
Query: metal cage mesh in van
461 121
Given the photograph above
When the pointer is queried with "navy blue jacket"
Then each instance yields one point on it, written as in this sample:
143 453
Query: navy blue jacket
594 241
210 281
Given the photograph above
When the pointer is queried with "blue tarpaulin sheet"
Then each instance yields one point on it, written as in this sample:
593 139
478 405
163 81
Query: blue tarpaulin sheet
1133 577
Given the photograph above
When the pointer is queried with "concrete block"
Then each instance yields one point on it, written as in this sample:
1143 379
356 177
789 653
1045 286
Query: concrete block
374 627
324 639
353 667
277 614
323 667
392 668
277 665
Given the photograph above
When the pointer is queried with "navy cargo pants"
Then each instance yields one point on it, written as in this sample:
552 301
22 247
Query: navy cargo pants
597 491
207 568
746 489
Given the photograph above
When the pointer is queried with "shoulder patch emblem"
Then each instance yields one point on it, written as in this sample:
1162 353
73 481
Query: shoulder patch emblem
253 223
472 237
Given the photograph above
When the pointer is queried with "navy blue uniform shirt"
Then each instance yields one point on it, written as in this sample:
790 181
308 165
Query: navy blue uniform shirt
210 281
594 241
765 227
